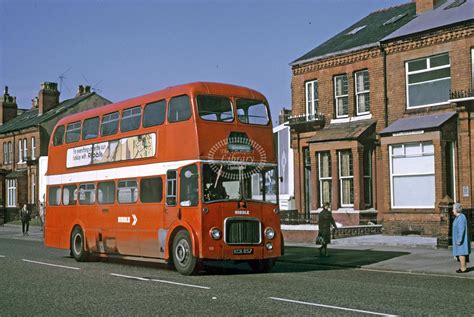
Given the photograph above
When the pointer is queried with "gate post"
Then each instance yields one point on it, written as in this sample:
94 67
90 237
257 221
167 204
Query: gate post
443 240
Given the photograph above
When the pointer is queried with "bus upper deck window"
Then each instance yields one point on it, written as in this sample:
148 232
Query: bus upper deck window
215 108
73 132
252 112
90 129
131 119
58 138
154 114
109 124
179 109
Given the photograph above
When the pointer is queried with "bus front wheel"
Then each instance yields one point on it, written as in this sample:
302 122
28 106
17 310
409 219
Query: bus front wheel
77 245
184 260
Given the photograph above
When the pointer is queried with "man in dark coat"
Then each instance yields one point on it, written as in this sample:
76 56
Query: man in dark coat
325 220
25 216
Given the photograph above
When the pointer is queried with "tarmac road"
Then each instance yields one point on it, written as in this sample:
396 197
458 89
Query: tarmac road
41 281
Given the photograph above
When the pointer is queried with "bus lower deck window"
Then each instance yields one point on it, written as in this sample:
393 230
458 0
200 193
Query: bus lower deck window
151 190
54 195
87 194
127 191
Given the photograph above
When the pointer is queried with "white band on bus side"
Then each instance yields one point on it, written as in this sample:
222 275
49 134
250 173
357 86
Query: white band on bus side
143 170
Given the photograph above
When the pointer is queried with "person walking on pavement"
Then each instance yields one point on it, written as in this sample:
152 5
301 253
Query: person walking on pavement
41 214
461 238
325 220
25 216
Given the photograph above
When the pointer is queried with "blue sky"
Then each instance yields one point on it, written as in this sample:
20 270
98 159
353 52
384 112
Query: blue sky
129 48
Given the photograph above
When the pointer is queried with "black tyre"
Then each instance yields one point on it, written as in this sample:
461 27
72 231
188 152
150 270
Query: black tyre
183 259
262 266
77 245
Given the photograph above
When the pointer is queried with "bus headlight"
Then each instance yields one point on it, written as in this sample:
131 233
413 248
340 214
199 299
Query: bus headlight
269 233
215 233
269 246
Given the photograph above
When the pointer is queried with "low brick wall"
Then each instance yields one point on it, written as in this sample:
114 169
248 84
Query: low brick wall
309 236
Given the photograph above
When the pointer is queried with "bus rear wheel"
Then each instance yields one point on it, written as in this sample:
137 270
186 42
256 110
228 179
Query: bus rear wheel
183 259
77 245
261 266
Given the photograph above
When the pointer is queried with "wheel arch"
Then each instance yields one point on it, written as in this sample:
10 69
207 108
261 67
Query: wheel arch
173 230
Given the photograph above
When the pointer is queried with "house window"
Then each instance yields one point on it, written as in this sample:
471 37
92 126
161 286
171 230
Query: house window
10 152
325 179
5 153
33 148
412 175
346 178
428 81
312 98
11 192
368 178
341 96
25 150
33 188
20 151
362 89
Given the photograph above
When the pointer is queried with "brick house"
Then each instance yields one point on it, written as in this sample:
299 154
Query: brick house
24 138
362 101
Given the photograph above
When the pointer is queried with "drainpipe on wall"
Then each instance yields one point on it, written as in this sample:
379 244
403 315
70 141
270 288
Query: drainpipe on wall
385 95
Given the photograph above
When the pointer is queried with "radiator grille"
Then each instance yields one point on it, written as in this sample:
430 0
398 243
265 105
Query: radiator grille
242 231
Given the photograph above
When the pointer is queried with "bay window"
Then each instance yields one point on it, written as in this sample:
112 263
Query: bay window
325 179
412 175
346 178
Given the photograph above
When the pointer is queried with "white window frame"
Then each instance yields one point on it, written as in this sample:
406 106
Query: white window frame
428 69
312 102
411 174
323 179
11 192
368 176
20 151
341 178
5 153
33 188
33 148
361 92
25 150
337 97
472 68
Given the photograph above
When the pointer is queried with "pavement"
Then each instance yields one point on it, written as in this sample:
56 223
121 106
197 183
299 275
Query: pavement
410 254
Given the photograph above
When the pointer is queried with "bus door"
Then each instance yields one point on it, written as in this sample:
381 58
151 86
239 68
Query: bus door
171 211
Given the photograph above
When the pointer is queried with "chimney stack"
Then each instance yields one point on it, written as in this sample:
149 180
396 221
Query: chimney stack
48 97
425 5
8 107
82 90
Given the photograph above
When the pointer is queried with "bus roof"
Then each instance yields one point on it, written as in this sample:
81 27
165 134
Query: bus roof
189 89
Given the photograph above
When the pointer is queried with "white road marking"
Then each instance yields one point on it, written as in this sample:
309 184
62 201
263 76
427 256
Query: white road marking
49 264
130 277
328 306
159 281
181 284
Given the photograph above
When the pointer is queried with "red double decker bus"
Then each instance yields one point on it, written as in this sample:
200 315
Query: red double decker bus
181 175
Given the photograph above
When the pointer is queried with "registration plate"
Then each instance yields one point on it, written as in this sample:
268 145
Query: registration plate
243 251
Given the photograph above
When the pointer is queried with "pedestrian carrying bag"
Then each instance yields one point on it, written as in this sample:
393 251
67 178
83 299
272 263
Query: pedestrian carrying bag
319 240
